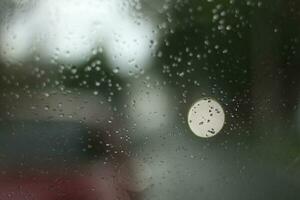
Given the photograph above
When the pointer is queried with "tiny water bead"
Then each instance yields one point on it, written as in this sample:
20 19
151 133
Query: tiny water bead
206 118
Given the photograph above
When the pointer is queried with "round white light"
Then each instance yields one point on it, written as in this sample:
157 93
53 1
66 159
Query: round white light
206 118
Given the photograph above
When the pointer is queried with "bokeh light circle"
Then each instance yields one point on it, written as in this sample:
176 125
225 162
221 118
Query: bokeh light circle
206 118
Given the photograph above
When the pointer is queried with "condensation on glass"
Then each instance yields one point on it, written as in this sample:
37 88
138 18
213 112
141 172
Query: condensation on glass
149 99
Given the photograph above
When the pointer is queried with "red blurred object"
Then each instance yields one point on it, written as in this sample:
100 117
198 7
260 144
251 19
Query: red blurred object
46 188
102 186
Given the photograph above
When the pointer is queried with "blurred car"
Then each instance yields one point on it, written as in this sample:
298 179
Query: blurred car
46 155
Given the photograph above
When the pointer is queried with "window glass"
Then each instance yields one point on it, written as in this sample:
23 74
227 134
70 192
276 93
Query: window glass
149 99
